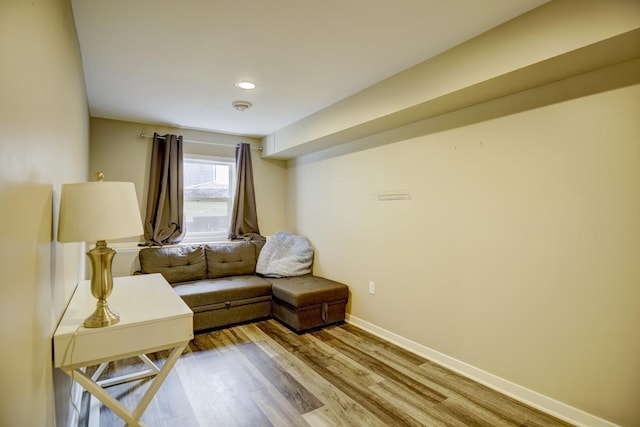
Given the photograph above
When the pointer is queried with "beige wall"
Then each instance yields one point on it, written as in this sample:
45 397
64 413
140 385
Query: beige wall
117 150
518 250
44 126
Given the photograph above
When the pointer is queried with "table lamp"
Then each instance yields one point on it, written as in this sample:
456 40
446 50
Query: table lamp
99 211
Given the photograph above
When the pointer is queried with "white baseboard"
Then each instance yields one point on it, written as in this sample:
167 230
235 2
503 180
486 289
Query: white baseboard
529 397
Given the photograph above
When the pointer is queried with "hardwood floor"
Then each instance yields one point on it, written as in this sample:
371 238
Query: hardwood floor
262 374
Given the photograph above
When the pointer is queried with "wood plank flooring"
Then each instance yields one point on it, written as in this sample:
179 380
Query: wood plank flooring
262 374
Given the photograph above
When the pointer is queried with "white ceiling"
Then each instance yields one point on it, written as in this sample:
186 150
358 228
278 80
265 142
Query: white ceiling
176 62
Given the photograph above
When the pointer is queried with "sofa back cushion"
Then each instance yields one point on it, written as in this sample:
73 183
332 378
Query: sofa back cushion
230 259
176 264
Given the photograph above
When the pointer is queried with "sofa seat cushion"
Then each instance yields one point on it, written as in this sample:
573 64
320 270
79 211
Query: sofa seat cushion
176 264
230 259
223 290
301 291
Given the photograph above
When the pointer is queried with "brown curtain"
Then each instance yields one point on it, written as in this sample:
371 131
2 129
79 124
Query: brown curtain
244 221
164 220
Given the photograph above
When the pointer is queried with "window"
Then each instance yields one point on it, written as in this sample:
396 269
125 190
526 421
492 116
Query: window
208 197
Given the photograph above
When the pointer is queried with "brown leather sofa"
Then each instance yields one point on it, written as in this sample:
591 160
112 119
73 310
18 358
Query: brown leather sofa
219 283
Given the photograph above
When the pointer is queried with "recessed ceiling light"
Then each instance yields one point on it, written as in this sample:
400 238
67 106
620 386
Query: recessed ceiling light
241 105
246 85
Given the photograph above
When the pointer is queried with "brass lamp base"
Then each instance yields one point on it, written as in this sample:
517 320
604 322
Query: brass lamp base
101 285
102 316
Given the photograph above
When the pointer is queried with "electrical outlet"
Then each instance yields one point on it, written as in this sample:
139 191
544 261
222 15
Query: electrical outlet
372 287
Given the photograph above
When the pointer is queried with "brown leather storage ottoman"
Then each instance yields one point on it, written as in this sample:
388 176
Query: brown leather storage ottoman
306 302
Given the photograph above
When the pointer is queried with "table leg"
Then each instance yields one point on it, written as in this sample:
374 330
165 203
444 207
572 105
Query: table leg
157 381
102 395
131 418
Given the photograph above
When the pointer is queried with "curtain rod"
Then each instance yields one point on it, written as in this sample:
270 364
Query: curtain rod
142 135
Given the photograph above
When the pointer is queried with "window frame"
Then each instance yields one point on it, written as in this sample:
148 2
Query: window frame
204 237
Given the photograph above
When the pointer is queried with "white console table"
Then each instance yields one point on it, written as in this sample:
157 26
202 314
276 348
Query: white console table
152 318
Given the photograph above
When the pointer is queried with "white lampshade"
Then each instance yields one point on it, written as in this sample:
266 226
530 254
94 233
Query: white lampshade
95 211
